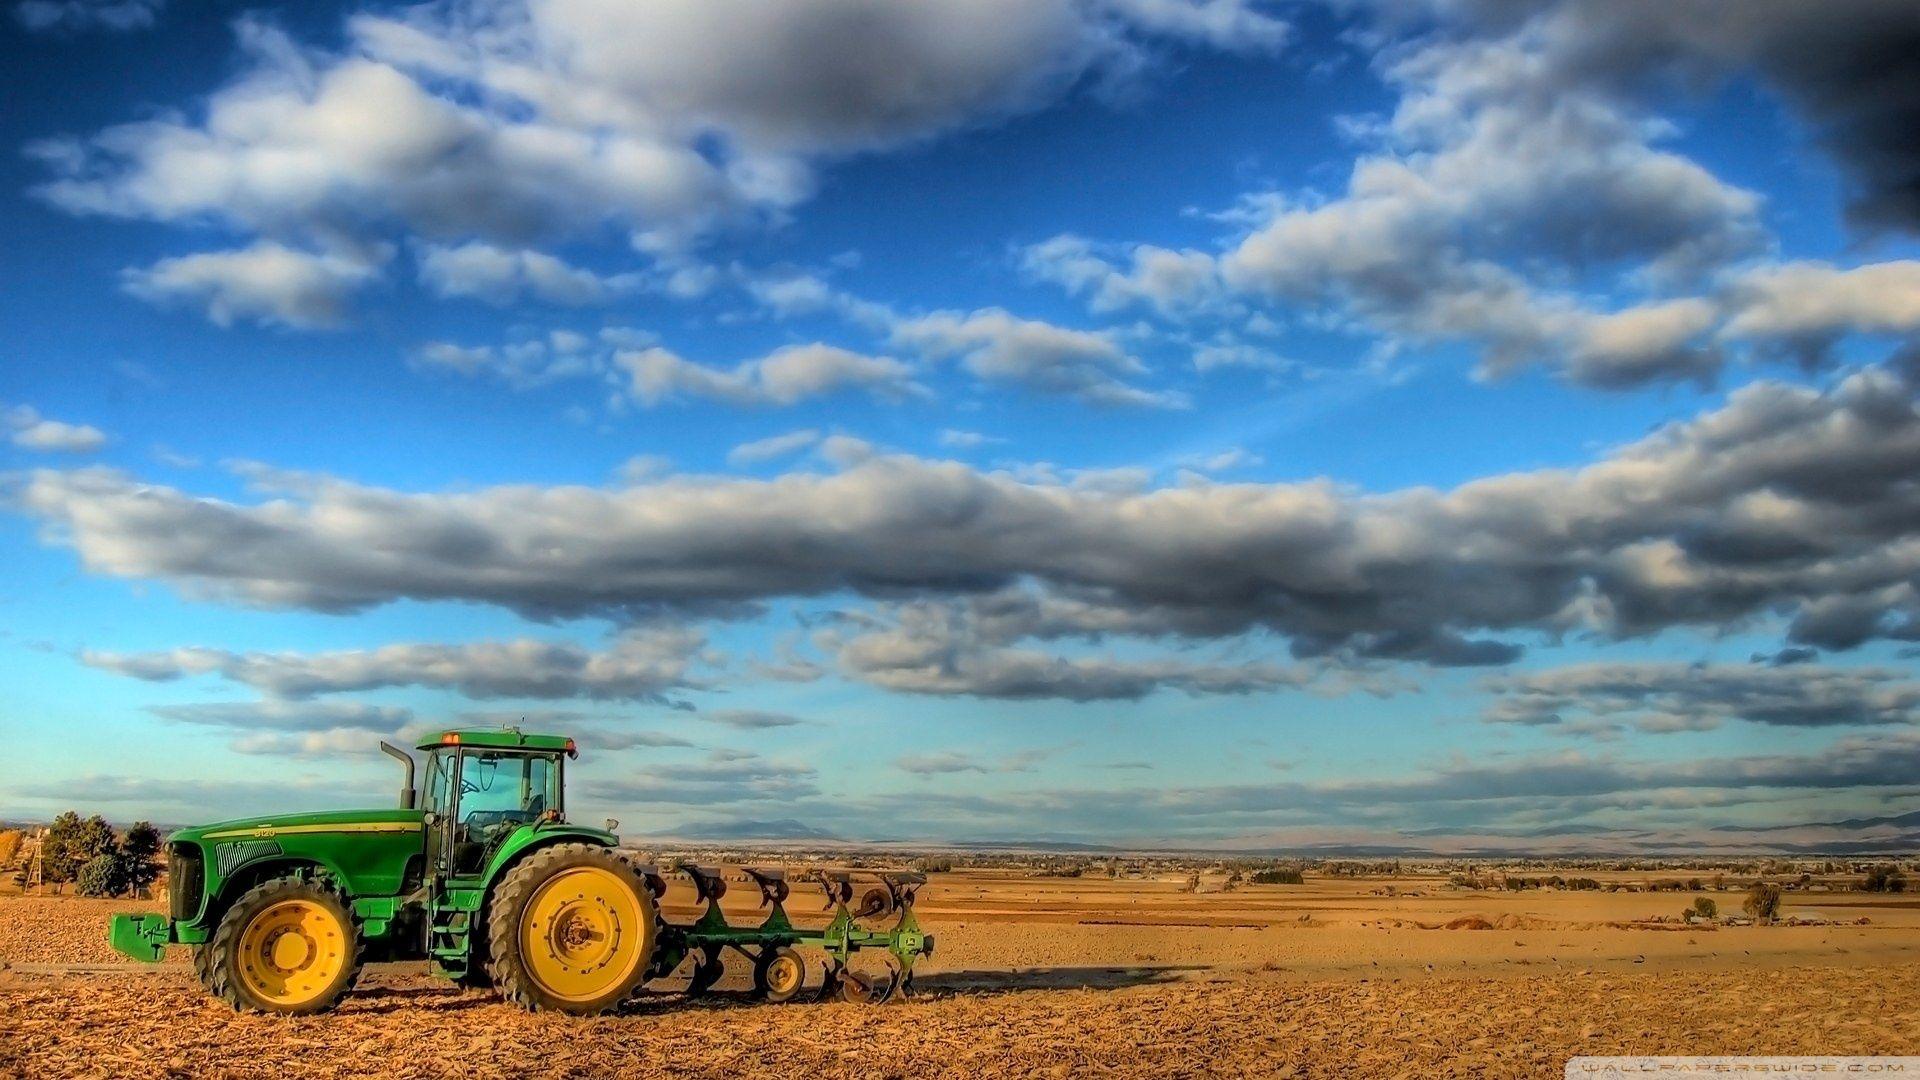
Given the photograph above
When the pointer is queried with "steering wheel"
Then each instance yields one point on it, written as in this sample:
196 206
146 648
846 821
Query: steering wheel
468 787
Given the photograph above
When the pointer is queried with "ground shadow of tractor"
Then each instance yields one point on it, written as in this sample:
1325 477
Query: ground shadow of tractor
1054 978
378 999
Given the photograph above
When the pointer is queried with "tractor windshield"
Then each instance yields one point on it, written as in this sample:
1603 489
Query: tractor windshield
506 788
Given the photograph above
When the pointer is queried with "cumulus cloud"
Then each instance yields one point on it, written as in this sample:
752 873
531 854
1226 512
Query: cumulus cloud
782 377
523 365
1488 166
1001 347
1808 305
958 649
509 120
991 344
267 283
1785 500
29 430
504 276
1843 67
1175 283
644 664
73 16
1525 152
297 728
1657 697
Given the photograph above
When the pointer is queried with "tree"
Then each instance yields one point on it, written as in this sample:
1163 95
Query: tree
1705 908
1763 902
71 843
102 875
141 845
59 858
1885 878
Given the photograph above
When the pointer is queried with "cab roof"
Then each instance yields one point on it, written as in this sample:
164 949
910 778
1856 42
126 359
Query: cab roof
499 739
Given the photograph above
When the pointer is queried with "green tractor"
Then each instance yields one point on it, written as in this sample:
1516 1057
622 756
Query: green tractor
481 874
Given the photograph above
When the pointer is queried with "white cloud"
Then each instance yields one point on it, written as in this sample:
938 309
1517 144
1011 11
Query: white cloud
504 276
1175 283
1486 167
1001 347
955 439
641 665
1786 503
266 283
644 468
1235 457
783 377
1814 300
29 430
773 446
508 120
523 365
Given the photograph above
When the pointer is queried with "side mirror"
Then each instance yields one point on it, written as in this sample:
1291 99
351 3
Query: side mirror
613 824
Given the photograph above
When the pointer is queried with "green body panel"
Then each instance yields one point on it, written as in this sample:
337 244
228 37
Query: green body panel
365 852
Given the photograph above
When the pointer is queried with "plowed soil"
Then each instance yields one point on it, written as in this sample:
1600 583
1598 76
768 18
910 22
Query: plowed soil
1067 978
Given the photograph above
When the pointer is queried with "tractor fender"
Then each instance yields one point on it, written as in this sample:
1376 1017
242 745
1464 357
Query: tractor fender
531 838
254 871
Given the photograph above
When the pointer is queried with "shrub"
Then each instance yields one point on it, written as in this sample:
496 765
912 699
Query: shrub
1885 878
1705 908
1763 902
924 865
1280 875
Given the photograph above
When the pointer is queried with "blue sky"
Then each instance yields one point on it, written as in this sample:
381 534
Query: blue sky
1124 421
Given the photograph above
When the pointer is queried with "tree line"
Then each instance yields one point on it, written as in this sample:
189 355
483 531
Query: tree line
96 859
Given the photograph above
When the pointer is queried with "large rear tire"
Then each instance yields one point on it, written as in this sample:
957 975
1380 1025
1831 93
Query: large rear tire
288 945
570 928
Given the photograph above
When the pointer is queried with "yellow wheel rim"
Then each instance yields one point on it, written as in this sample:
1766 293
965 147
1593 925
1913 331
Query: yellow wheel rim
784 975
292 952
583 933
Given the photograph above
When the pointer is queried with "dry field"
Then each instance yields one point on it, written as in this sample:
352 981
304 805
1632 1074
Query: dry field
1070 977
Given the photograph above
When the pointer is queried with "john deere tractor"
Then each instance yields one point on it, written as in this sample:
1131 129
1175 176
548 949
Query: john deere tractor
480 873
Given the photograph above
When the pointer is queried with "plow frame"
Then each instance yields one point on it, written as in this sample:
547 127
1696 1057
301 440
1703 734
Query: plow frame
840 939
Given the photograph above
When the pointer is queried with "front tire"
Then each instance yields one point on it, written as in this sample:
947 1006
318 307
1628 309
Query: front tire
570 928
288 945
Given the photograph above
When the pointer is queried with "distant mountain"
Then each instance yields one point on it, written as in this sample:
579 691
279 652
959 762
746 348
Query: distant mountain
782 829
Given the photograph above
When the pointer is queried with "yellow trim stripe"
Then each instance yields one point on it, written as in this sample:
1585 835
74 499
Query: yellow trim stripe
343 827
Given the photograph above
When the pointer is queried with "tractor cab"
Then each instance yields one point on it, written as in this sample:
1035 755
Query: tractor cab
479 787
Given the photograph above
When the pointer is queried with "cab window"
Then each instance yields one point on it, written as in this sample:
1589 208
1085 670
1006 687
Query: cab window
506 788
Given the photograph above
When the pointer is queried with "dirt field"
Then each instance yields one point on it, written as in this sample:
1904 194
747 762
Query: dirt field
1070 977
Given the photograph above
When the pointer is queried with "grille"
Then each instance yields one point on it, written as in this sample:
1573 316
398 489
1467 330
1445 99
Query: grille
186 876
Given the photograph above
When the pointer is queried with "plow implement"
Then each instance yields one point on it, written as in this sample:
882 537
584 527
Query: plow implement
875 915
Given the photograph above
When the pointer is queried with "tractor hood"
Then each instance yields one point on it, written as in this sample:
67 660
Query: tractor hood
265 826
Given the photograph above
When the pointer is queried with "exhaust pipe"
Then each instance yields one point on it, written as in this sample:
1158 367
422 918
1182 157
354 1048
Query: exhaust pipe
406 789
